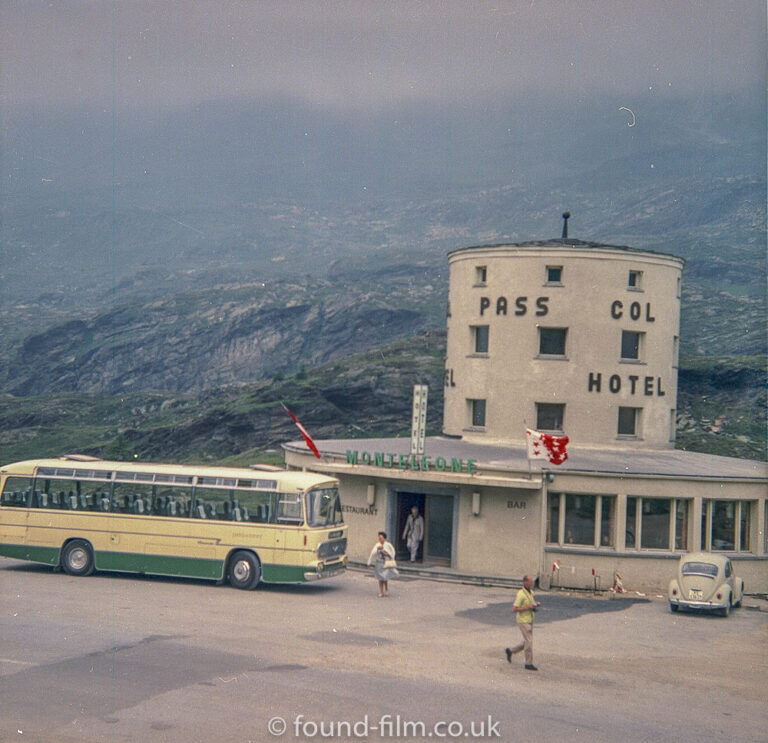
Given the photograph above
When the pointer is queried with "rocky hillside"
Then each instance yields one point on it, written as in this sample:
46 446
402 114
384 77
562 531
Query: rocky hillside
221 336
722 408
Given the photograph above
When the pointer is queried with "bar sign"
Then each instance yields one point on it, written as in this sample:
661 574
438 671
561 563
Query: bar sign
419 418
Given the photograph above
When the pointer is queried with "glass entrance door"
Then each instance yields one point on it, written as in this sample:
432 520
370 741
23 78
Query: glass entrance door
438 537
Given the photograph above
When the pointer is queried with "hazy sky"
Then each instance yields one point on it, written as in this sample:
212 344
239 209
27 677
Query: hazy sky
356 53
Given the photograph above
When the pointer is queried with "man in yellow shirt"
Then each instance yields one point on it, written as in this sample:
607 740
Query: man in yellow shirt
524 606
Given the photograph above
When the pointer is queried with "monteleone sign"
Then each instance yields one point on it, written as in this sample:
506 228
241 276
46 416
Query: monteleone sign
420 462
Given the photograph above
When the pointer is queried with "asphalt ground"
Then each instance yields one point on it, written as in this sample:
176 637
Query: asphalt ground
131 658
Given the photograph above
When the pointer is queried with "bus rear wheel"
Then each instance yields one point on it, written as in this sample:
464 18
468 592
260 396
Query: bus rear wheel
77 558
244 571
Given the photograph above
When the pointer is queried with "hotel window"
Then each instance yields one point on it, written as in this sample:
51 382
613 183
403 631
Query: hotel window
629 421
479 338
550 416
587 520
657 523
554 274
730 526
672 425
631 345
481 275
477 412
552 341
681 525
553 518
635 280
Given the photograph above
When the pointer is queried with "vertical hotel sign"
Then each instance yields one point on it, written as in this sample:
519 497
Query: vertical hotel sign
419 418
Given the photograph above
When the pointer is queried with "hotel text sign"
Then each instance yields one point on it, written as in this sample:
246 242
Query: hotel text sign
419 462
648 386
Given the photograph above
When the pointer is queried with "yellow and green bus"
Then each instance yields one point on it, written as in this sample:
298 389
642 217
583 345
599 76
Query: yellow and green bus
242 525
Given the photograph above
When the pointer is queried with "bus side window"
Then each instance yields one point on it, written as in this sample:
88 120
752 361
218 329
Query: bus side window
289 508
216 503
256 506
12 490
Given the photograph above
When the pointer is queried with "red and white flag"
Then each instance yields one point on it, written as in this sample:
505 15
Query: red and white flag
546 446
304 432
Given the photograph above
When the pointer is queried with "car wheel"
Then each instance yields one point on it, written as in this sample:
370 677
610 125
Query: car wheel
77 558
674 607
244 571
726 610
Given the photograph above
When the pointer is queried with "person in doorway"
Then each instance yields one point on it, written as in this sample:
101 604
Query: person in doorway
385 568
413 534
524 606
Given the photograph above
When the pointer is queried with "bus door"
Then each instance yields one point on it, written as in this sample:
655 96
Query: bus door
289 549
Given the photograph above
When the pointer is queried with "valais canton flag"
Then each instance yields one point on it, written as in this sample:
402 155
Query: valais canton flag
544 445
304 433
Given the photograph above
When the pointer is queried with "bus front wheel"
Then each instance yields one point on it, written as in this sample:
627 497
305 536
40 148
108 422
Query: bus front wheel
77 558
244 571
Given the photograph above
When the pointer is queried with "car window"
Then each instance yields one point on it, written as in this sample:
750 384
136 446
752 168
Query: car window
706 569
728 569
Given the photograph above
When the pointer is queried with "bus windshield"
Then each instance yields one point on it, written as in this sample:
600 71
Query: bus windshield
324 507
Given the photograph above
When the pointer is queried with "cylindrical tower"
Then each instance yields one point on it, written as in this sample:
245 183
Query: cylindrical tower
563 336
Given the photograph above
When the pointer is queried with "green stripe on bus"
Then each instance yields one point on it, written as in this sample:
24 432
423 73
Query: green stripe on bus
132 562
47 555
283 573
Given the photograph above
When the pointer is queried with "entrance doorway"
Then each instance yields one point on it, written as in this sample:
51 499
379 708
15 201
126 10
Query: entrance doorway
437 511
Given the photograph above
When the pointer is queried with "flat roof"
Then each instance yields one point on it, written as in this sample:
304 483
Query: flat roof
581 460
566 243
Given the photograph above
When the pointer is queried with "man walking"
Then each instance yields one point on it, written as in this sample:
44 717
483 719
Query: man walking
414 532
524 606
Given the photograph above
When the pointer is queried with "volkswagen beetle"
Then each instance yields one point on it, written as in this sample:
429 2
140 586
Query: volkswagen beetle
705 581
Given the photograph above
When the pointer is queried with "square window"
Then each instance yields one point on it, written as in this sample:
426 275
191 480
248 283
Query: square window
481 274
682 508
607 518
630 528
580 519
554 274
553 517
550 416
723 525
629 419
552 341
654 527
635 280
744 540
630 344
477 408
480 338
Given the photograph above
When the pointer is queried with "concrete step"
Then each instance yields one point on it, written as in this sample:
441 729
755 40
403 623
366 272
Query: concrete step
446 575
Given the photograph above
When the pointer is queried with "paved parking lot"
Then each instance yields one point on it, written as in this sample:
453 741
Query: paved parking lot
127 658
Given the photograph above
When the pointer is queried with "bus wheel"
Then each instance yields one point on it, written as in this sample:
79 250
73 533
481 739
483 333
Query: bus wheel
244 570
77 558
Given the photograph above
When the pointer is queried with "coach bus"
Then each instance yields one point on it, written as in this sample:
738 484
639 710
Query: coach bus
242 525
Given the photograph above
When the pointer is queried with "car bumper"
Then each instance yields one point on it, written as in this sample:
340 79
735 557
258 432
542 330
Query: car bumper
702 605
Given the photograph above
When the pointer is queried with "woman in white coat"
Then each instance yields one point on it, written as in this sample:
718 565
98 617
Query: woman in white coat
385 568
